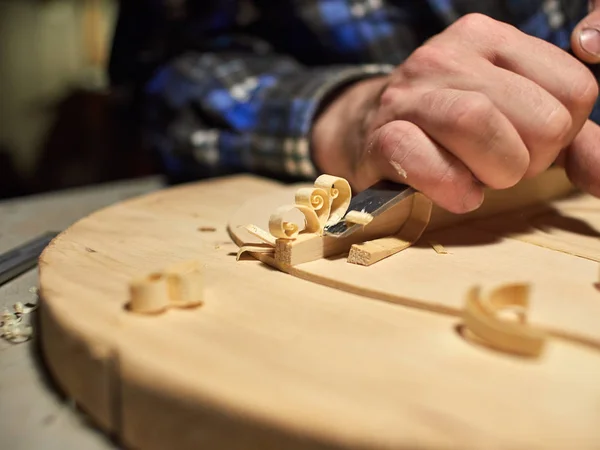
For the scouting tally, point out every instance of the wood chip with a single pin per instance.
(358, 217)
(12, 327)
(439, 248)
(370, 252)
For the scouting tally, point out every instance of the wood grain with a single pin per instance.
(273, 361)
(481, 253)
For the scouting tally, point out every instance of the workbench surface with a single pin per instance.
(32, 413)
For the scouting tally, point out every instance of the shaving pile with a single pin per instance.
(322, 205)
(12, 327)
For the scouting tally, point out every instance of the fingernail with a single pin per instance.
(590, 40)
(473, 199)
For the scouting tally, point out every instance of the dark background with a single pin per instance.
(61, 125)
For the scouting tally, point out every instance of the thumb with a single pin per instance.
(585, 39)
(582, 159)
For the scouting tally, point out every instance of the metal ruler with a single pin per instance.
(19, 260)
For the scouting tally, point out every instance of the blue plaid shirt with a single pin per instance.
(234, 85)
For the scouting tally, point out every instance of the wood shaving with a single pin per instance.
(317, 199)
(358, 217)
(207, 229)
(12, 327)
(261, 234)
(254, 249)
(340, 193)
(482, 316)
(284, 229)
(178, 286)
(399, 169)
(439, 248)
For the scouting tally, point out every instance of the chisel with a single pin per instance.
(20, 259)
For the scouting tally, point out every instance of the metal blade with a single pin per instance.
(375, 201)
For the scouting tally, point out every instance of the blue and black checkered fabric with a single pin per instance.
(234, 85)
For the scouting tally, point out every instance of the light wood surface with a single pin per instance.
(273, 361)
(486, 252)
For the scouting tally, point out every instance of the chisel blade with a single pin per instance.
(375, 201)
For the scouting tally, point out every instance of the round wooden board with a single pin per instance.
(273, 361)
(479, 254)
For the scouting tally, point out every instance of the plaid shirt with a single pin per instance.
(235, 85)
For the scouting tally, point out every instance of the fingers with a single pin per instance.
(501, 125)
(543, 123)
(402, 152)
(582, 159)
(585, 39)
(472, 128)
(553, 69)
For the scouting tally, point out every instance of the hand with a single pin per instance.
(479, 104)
(582, 158)
(585, 39)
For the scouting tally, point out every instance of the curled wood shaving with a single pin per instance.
(282, 229)
(482, 317)
(439, 248)
(180, 286)
(186, 284)
(323, 204)
(149, 294)
(317, 199)
(261, 234)
(340, 192)
(358, 217)
(254, 249)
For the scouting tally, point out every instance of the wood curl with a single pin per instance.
(481, 317)
(323, 204)
(317, 199)
(178, 286)
(283, 229)
(340, 193)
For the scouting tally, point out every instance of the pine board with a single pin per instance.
(274, 361)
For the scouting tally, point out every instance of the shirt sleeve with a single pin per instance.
(219, 113)
(220, 97)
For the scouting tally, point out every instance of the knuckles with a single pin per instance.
(470, 112)
(476, 24)
(583, 93)
(558, 128)
(397, 136)
(426, 59)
